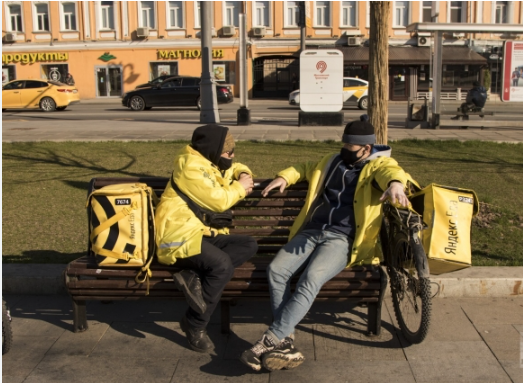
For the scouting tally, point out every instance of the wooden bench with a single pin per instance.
(267, 219)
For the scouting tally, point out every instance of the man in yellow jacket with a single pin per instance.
(204, 176)
(338, 227)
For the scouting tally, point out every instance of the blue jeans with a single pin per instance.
(321, 255)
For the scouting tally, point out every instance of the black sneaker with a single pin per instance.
(189, 283)
(252, 356)
(285, 356)
(198, 339)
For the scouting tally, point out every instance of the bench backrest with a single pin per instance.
(268, 219)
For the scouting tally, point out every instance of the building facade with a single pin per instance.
(110, 47)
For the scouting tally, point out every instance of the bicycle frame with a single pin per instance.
(409, 223)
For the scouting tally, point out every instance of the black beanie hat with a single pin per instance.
(209, 140)
(359, 133)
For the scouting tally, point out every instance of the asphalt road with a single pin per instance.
(268, 111)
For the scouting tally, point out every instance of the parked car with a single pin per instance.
(157, 80)
(38, 94)
(354, 90)
(174, 91)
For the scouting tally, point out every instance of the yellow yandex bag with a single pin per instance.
(448, 212)
(121, 226)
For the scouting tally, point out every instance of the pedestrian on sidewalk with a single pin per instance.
(191, 221)
(337, 228)
(69, 80)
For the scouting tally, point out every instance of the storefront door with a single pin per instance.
(399, 83)
(108, 81)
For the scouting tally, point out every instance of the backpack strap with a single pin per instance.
(114, 219)
(146, 269)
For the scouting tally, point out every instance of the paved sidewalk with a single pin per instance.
(470, 340)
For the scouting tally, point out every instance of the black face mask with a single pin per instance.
(224, 163)
(349, 157)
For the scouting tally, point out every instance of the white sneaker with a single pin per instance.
(284, 356)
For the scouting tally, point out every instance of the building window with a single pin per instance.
(175, 14)
(501, 12)
(107, 14)
(197, 14)
(401, 13)
(348, 13)
(292, 14)
(164, 68)
(41, 17)
(261, 13)
(68, 11)
(456, 12)
(224, 71)
(147, 14)
(14, 18)
(8, 73)
(322, 13)
(54, 72)
(232, 13)
(426, 12)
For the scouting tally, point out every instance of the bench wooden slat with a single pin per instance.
(266, 213)
(258, 232)
(268, 203)
(261, 222)
(256, 285)
(290, 193)
(226, 293)
(89, 297)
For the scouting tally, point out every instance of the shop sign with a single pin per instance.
(188, 54)
(31, 58)
(106, 57)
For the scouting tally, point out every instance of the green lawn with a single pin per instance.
(45, 184)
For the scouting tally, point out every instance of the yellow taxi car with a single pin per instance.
(354, 90)
(38, 94)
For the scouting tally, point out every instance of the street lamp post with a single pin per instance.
(244, 113)
(209, 110)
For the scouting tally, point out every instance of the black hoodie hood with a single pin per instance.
(208, 140)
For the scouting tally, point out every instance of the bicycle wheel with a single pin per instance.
(410, 293)
(7, 333)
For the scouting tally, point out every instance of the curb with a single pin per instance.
(474, 282)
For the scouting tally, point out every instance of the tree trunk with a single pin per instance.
(378, 68)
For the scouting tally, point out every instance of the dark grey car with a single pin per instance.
(174, 91)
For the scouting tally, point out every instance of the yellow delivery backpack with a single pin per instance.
(121, 227)
(447, 212)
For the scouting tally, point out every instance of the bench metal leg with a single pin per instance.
(226, 319)
(79, 316)
(374, 311)
(374, 322)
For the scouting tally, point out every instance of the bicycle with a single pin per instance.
(7, 333)
(408, 270)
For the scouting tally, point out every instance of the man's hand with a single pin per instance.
(396, 193)
(246, 181)
(278, 182)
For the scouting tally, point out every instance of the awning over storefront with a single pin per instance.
(414, 55)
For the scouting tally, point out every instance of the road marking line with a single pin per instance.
(122, 119)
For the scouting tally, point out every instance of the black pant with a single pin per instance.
(215, 265)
